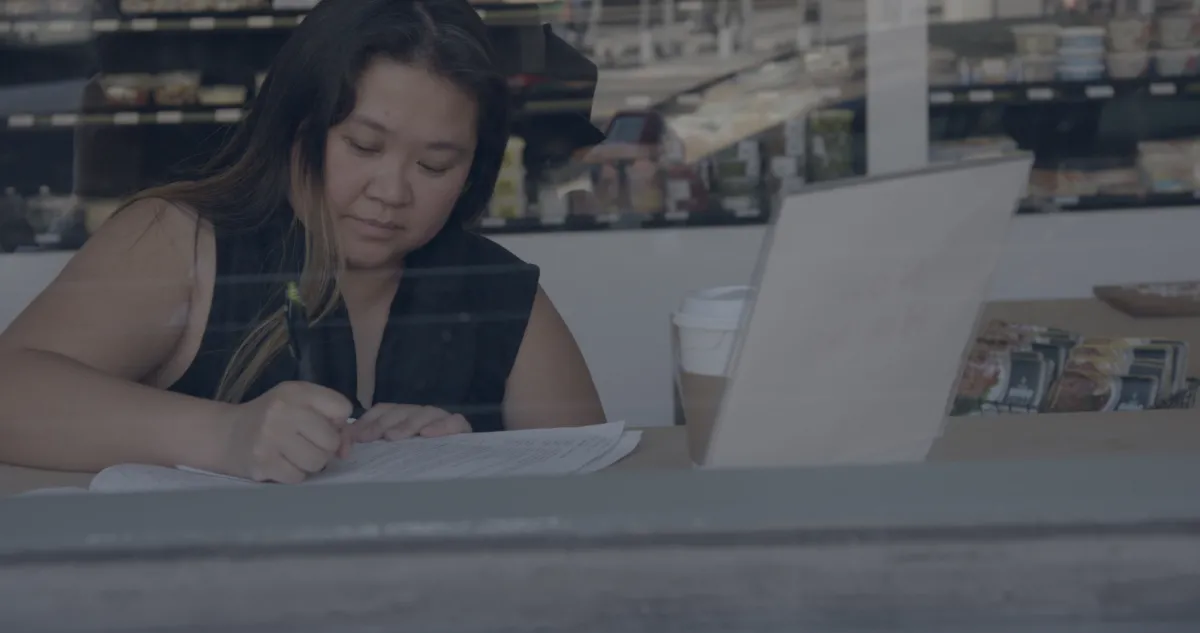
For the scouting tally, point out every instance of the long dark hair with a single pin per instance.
(277, 153)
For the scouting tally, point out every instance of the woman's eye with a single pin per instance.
(434, 170)
(362, 148)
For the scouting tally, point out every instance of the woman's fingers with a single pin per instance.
(401, 421)
(450, 425)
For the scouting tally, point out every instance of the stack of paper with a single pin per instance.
(563, 451)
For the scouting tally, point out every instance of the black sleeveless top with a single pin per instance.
(456, 323)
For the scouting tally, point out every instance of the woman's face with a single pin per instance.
(396, 166)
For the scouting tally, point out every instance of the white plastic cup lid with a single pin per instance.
(725, 303)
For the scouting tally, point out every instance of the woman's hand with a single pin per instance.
(401, 421)
(288, 433)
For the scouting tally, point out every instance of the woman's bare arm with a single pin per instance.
(70, 364)
(550, 384)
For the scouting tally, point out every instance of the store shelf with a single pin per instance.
(1111, 202)
(194, 115)
(621, 221)
(1062, 91)
(214, 22)
(156, 117)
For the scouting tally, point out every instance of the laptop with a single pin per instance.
(867, 293)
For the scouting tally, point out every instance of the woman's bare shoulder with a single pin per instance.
(118, 302)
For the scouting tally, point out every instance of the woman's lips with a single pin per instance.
(372, 229)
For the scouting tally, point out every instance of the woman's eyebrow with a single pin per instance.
(446, 146)
(368, 122)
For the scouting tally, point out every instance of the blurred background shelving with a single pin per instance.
(101, 98)
(1104, 93)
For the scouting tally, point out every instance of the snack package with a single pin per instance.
(1081, 390)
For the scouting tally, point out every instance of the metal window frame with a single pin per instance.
(1101, 546)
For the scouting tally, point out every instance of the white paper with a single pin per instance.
(628, 443)
(560, 451)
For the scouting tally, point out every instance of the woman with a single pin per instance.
(376, 139)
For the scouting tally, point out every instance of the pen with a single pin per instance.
(300, 341)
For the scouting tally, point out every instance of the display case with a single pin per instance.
(102, 98)
(1103, 93)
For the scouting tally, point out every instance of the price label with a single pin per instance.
(202, 24)
(105, 26)
(20, 120)
(676, 216)
(227, 115)
(554, 220)
(260, 21)
(1100, 92)
(492, 223)
(168, 117)
(679, 190)
(1163, 89)
(143, 24)
(981, 96)
(126, 118)
(1066, 201)
(64, 120)
(1040, 94)
(60, 26)
(608, 218)
(941, 97)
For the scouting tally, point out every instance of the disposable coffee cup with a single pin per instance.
(705, 330)
(707, 323)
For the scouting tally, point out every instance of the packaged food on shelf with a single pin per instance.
(1036, 39)
(176, 88)
(831, 139)
(1118, 181)
(953, 151)
(196, 6)
(1037, 69)
(136, 7)
(509, 197)
(1075, 182)
(687, 188)
(21, 8)
(737, 179)
(1170, 166)
(1098, 176)
(1128, 35)
(242, 5)
(1176, 62)
(828, 64)
(1177, 30)
(1082, 38)
(58, 221)
(126, 90)
(610, 190)
(990, 70)
(67, 7)
(1130, 65)
(646, 187)
(1015, 368)
(221, 95)
(15, 231)
(943, 67)
(1081, 71)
